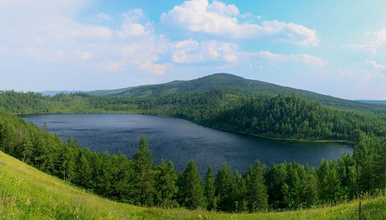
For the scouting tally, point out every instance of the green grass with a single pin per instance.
(27, 193)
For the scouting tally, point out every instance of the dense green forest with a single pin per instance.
(224, 80)
(138, 181)
(288, 117)
(278, 112)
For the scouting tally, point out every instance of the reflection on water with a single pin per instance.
(180, 140)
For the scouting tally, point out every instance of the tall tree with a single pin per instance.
(331, 192)
(121, 173)
(165, 184)
(256, 194)
(84, 170)
(292, 190)
(210, 190)
(224, 187)
(191, 188)
(238, 194)
(275, 178)
(143, 178)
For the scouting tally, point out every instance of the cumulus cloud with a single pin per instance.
(273, 58)
(375, 65)
(377, 41)
(130, 26)
(191, 51)
(221, 20)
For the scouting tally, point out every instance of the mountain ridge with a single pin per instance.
(226, 80)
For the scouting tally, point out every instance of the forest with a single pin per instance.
(139, 181)
(286, 117)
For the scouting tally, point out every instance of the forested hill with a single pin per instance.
(224, 80)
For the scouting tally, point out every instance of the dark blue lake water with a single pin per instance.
(180, 140)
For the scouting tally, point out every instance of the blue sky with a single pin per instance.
(331, 47)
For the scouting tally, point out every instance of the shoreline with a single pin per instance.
(349, 142)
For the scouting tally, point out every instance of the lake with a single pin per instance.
(180, 140)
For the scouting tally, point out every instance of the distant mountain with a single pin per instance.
(374, 102)
(224, 80)
(53, 92)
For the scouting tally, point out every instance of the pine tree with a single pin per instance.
(275, 178)
(191, 188)
(210, 190)
(309, 189)
(291, 197)
(84, 170)
(143, 178)
(238, 194)
(224, 187)
(165, 184)
(256, 194)
(121, 173)
(104, 180)
(331, 187)
(353, 182)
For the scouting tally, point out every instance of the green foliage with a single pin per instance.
(210, 190)
(165, 185)
(256, 191)
(225, 185)
(191, 190)
(137, 181)
(143, 176)
(26, 193)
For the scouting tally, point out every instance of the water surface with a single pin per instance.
(180, 140)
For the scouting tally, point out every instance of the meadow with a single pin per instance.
(27, 193)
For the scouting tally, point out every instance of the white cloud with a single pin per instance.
(223, 9)
(130, 26)
(378, 40)
(310, 60)
(375, 65)
(103, 16)
(191, 51)
(221, 20)
(273, 58)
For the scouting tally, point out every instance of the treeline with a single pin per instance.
(293, 117)
(288, 117)
(138, 181)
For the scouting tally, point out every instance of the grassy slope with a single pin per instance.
(26, 193)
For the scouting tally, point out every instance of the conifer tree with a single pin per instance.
(121, 173)
(143, 178)
(331, 192)
(84, 170)
(165, 184)
(191, 188)
(292, 190)
(309, 189)
(224, 187)
(104, 180)
(275, 178)
(238, 194)
(210, 190)
(256, 194)
(353, 181)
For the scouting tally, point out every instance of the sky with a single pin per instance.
(331, 47)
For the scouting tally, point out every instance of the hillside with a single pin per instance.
(224, 80)
(27, 193)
